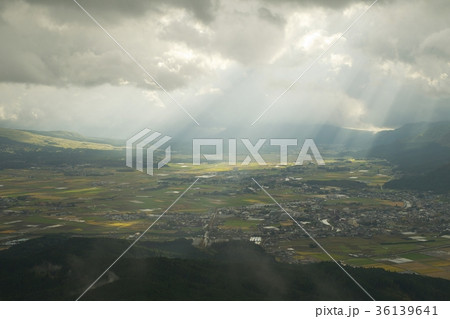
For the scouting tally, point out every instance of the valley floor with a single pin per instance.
(342, 205)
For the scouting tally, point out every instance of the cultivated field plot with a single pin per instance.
(343, 204)
(392, 253)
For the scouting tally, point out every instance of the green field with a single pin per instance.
(116, 202)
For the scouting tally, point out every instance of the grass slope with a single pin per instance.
(68, 140)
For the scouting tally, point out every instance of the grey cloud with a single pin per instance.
(181, 31)
(411, 42)
(266, 14)
(113, 10)
(45, 48)
(39, 50)
(322, 3)
(399, 60)
(437, 44)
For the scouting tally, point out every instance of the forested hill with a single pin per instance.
(422, 153)
(60, 268)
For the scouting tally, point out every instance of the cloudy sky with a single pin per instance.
(222, 61)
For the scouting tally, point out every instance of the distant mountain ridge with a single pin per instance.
(417, 133)
(325, 134)
(78, 137)
(419, 146)
(57, 139)
(410, 136)
(25, 149)
(421, 151)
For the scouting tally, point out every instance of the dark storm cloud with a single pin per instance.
(323, 3)
(266, 14)
(118, 9)
(55, 43)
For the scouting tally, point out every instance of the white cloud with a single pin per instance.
(153, 98)
(337, 61)
(208, 91)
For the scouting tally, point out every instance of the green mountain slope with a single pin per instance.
(416, 133)
(415, 148)
(422, 153)
(437, 180)
(24, 149)
(78, 137)
(64, 140)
